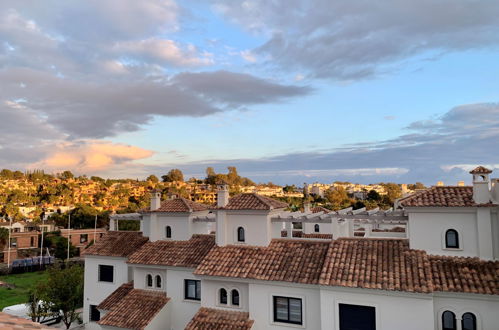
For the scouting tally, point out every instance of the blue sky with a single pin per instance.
(289, 91)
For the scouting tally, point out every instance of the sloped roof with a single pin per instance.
(297, 261)
(317, 209)
(11, 322)
(174, 253)
(180, 205)
(447, 196)
(117, 244)
(471, 275)
(480, 170)
(385, 264)
(135, 310)
(253, 201)
(116, 296)
(212, 319)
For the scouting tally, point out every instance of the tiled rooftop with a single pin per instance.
(174, 253)
(471, 275)
(299, 233)
(10, 322)
(447, 196)
(116, 296)
(386, 264)
(213, 319)
(135, 310)
(318, 209)
(180, 205)
(253, 201)
(480, 169)
(117, 244)
(297, 261)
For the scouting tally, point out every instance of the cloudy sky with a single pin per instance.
(288, 91)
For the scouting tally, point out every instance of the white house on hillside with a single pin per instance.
(441, 272)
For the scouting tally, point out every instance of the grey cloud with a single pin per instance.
(347, 40)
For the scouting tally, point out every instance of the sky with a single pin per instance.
(288, 91)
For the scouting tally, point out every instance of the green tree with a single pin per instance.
(6, 174)
(38, 309)
(66, 175)
(373, 195)
(63, 291)
(4, 236)
(338, 197)
(174, 175)
(152, 178)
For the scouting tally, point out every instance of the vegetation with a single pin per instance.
(20, 287)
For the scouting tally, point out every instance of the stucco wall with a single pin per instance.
(256, 226)
(392, 312)
(210, 294)
(94, 291)
(182, 310)
(261, 305)
(427, 231)
(162, 320)
(139, 277)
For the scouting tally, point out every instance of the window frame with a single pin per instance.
(446, 241)
(168, 232)
(288, 321)
(83, 238)
(156, 277)
(220, 302)
(197, 284)
(475, 320)
(442, 320)
(93, 310)
(149, 277)
(241, 234)
(317, 228)
(359, 304)
(232, 298)
(99, 278)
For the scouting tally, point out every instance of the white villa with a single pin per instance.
(431, 263)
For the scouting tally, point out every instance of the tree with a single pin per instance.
(63, 292)
(393, 191)
(66, 175)
(174, 175)
(38, 309)
(373, 195)
(6, 174)
(4, 236)
(152, 178)
(338, 197)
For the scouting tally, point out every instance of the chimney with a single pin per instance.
(155, 199)
(222, 194)
(494, 191)
(481, 193)
(440, 184)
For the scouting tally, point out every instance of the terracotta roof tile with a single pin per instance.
(116, 296)
(180, 205)
(117, 244)
(480, 169)
(136, 309)
(11, 322)
(448, 196)
(470, 275)
(297, 233)
(217, 319)
(385, 264)
(252, 201)
(297, 261)
(318, 209)
(174, 253)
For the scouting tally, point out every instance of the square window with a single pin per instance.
(106, 273)
(288, 310)
(192, 289)
(94, 313)
(356, 317)
(83, 238)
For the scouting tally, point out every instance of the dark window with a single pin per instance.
(94, 313)
(316, 228)
(356, 317)
(158, 281)
(468, 322)
(192, 289)
(287, 310)
(235, 297)
(448, 321)
(149, 280)
(32, 241)
(223, 296)
(168, 232)
(13, 242)
(451, 239)
(83, 238)
(106, 273)
(240, 234)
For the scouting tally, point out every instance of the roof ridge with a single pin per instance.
(260, 198)
(186, 203)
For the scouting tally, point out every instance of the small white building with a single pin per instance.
(246, 276)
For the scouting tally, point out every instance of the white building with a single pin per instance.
(245, 276)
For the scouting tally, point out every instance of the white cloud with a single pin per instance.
(248, 56)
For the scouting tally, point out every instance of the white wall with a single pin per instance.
(324, 228)
(485, 309)
(427, 229)
(94, 291)
(182, 310)
(210, 294)
(162, 320)
(154, 225)
(256, 226)
(261, 305)
(393, 312)
(140, 273)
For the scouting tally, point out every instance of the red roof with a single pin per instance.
(212, 318)
(180, 205)
(318, 209)
(480, 170)
(252, 201)
(447, 196)
(116, 296)
(174, 253)
(117, 244)
(11, 322)
(135, 310)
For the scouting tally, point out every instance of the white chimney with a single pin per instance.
(494, 191)
(155, 200)
(222, 195)
(481, 192)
